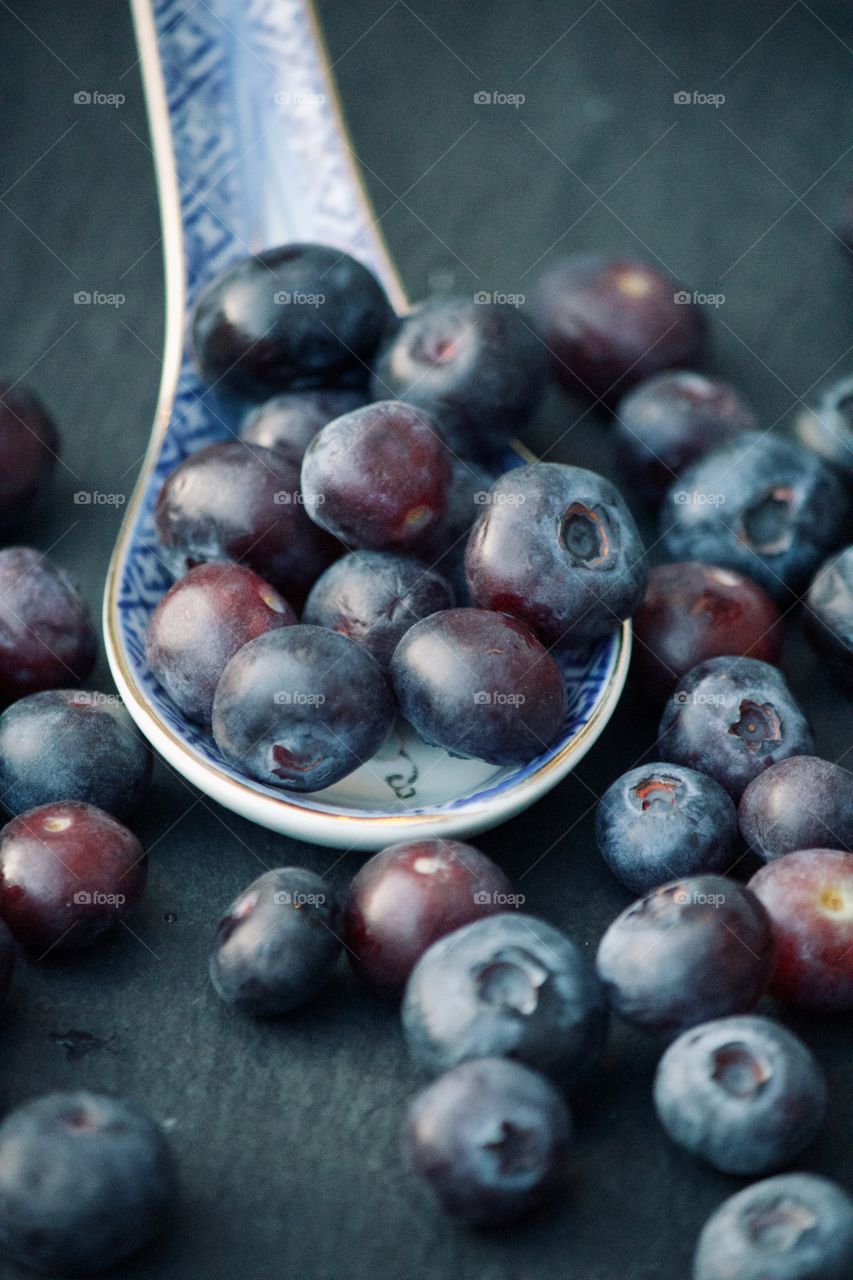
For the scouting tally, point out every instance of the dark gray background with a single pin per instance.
(287, 1132)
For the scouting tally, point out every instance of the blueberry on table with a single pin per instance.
(489, 1139)
(374, 597)
(479, 684)
(301, 707)
(68, 873)
(477, 368)
(241, 502)
(508, 986)
(377, 478)
(669, 421)
(278, 943)
(808, 896)
(557, 547)
(303, 315)
(828, 616)
(68, 744)
(29, 445)
(661, 822)
(733, 718)
(85, 1181)
(290, 421)
(693, 950)
(692, 612)
(828, 427)
(611, 322)
(46, 635)
(796, 1226)
(408, 896)
(762, 505)
(201, 622)
(743, 1093)
(800, 803)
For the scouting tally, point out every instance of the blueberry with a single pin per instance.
(478, 369)
(733, 718)
(610, 322)
(377, 477)
(29, 445)
(68, 873)
(507, 986)
(201, 622)
(278, 943)
(661, 822)
(689, 951)
(241, 502)
(808, 896)
(408, 896)
(829, 615)
(290, 421)
(694, 611)
(479, 684)
(489, 1139)
(744, 1093)
(374, 597)
(801, 803)
(443, 546)
(301, 708)
(764, 506)
(85, 1181)
(65, 744)
(557, 547)
(792, 1227)
(669, 421)
(303, 315)
(828, 427)
(46, 635)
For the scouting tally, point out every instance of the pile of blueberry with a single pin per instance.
(354, 554)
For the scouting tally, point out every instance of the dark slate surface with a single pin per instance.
(287, 1132)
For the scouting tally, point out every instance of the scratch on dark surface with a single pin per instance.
(79, 1044)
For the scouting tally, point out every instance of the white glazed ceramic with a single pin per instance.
(251, 152)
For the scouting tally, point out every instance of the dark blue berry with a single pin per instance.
(507, 986)
(65, 744)
(46, 635)
(290, 421)
(690, 951)
(301, 708)
(557, 547)
(479, 684)
(489, 1139)
(733, 718)
(762, 505)
(792, 1227)
(800, 803)
(661, 822)
(29, 445)
(828, 427)
(744, 1093)
(278, 943)
(85, 1181)
(374, 597)
(303, 315)
(477, 368)
(828, 615)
